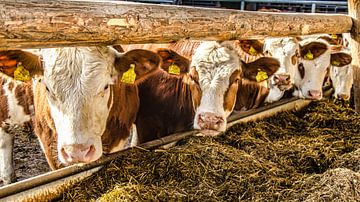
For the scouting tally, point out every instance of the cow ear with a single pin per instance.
(340, 59)
(312, 50)
(261, 69)
(20, 65)
(118, 48)
(172, 62)
(135, 65)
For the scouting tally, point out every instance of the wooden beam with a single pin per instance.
(43, 23)
(354, 12)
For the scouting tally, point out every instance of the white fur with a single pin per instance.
(342, 79)
(214, 63)
(282, 49)
(315, 71)
(6, 157)
(76, 79)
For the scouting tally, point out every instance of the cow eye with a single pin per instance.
(106, 87)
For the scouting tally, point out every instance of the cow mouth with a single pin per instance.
(209, 133)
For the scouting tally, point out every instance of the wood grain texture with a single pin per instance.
(354, 12)
(42, 23)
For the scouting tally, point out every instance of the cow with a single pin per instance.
(85, 98)
(286, 50)
(341, 74)
(316, 57)
(201, 98)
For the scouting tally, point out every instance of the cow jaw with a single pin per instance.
(214, 65)
(78, 94)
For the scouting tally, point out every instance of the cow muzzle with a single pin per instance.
(343, 96)
(283, 81)
(78, 153)
(211, 121)
(314, 94)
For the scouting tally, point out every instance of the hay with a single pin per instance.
(290, 156)
(338, 184)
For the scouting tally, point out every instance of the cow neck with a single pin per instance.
(165, 106)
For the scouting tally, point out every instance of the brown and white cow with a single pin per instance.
(316, 57)
(16, 101)
(286, 50)
(87, 98)
(201, 99)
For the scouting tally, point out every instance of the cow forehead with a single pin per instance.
(74, 70)
(215, 62)
(286, 45)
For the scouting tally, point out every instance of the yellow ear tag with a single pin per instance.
(174, 69)
(334, 36)
(252, 51)
(335, 63)
(21, 74)
(261, 76)
(309, 56)
(129, 76)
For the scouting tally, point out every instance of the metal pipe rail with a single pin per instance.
(51, 185)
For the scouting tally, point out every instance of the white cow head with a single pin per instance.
(341, 74)
(313, 64)
(215, 72)
(79, 91)
(286, 50)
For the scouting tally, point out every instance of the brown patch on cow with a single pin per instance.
(44, 126)
(110, 97)
(340, 59)
(146, 62)
(24, 96)
(294, 58)
(301, 70)
(231, 93)
(122, 115)
(266, 64)
(245, 45)
(4, 109)
(316, 48)
(250, 95)
(166, 105)
(11, 86)
(170, 57)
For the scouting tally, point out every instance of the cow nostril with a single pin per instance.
(91, 151)
(64, 153)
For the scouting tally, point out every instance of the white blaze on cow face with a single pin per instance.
(77, 82)
(313, 63)
(214, 65)
(341, 74)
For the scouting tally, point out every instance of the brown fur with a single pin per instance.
(166, 106)
(4, 109)
(250, 95)
(231, 93)
(301, 70)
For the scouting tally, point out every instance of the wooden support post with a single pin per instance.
(354, 12)
(43, 23)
